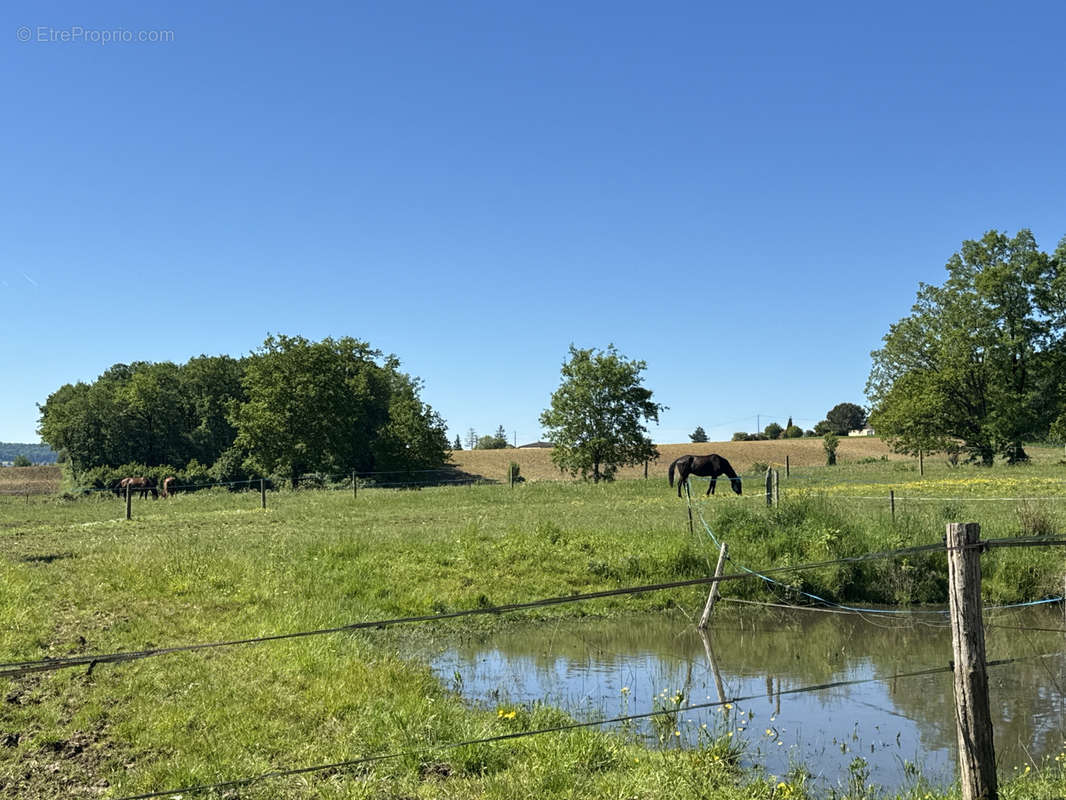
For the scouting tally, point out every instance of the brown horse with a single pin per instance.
(139, 484)
(167, 489)
(712, 465)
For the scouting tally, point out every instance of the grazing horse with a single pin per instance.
(166, 490)
(712, 465)
(140, 484)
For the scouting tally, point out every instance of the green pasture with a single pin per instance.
(76, 577)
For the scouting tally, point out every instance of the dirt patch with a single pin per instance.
(70, 767)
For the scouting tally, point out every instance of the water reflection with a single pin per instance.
(601, 669)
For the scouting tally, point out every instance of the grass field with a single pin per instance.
(75, 577)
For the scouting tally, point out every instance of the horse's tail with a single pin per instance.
(672, 465)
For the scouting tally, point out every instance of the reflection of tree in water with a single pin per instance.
(792, 649)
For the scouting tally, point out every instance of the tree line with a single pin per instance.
(292, 407)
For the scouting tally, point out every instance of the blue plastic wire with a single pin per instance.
(822, 600)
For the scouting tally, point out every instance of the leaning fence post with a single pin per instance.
(129, 503)
(709, 607)
(973, 721)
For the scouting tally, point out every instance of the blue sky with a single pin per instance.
(743, 196)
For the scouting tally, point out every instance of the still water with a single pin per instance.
(755, 658)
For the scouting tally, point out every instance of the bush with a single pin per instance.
(830, 442)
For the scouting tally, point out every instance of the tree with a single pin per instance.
(698, 435)
(501, 434)
(595, 418)
(792, 432)
(471, 439)
(22, 461)
(844, 417)
(333, 406)
(457, 445)
(977, 361)
(773, 431)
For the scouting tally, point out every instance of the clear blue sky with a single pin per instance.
(743, 196)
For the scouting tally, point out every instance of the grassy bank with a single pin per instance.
(77, 578)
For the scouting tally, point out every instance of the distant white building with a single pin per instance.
(867, 431)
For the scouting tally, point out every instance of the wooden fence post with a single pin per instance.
(787, 471)
(776, 488)
(973, 721)
(769, 487)
(129, 503)
(709, 607)
(263, 492)
(688, 494)
(355, 484)
(892, 504)
(921, 463)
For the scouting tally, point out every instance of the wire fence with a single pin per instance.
(511, 736)
(22, 668)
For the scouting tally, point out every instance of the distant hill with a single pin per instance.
(36, 453)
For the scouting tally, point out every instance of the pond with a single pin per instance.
(758, 658)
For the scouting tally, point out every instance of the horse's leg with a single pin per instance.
(710, 489)
(681, 478)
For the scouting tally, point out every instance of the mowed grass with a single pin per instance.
(75, 577)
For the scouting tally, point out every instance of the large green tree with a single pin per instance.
(844, 417)
(146, 413)
(595, 420)
(333, 406)
(976, 363)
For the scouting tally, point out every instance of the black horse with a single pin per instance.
(712, 465)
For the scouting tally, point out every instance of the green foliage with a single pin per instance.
(153, 413)
(773, 431)
(22, 461)
(792, 432)
(844, 417)
(822, 428)
(830, 442)
(36, 453)
(979, 358)
(333, 407)
(699, 435)
(596, 414)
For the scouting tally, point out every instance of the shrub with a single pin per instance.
(830, 442)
